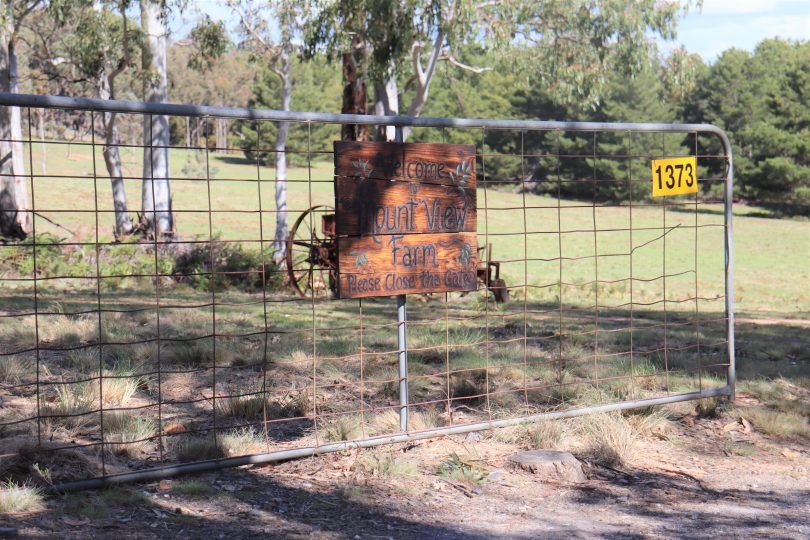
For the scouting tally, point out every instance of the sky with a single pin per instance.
(722, 24)
(719, 25)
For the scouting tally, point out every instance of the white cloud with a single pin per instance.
(782, 26)
(751, 7)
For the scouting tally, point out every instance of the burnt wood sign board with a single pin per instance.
(405, 218)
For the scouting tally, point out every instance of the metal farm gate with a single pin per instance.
(148, 357)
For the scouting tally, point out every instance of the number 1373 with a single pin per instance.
(674, 176)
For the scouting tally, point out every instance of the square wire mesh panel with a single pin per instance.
(220, 338)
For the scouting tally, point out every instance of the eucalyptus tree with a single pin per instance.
(156, 206)
(256, 23)
(569, 47)
(15, 217)
(102, 45)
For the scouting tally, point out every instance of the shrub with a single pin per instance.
(224, 265)
(462, 469)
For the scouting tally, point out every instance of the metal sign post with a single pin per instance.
(402, 345)
(402, 339)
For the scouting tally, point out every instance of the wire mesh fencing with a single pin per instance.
(217, 341)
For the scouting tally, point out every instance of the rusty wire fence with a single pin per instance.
(143, 356)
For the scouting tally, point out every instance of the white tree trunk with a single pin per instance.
(156, 193)
(112, 159)
(18, 153)
(11, 224)
(282, 228)
(423, 79)
(386, 102)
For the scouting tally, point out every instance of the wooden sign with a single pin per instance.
(405, 218)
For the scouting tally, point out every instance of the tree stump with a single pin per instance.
(550, 465)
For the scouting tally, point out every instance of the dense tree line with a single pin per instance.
(762, 100)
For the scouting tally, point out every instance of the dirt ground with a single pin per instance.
(700, 478)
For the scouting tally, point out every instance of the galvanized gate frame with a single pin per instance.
(85, 104)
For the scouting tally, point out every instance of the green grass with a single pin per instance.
(771, 271)
(194, 489)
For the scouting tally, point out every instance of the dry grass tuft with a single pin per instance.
(512, 435)
(386, 465)
(251, 406)
(345, 428)
(84, 360)
(194, 489)
(777, 423)
(127, 434)
(194, 447)
(545, 435)
(73, 404)
(298, 357)
(649, 422)
(387, 421)
(67, 331)
(118, 388)
(293, 404)
(196, 355)
(248, 407)
(15, 498)
(240, 442)
(14, 369)
(71, 407)
(609, 437)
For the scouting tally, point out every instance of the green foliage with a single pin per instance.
(462, 469)
(761, 100)
(97, 42)
(388, 27)
(499, 94)
(222, 265)
(210, 41)
(316, 87)
(121, 265)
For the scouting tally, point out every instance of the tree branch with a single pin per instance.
(124, 62)
(18, 19)
(450, 59)
(251, 29)
(425, 76)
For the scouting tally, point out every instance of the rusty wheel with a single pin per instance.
(308, 254)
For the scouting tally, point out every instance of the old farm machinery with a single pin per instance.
(312, 257)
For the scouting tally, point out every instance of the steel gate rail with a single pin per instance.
(494, 350)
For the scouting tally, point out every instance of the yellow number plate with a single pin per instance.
(674, 176)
